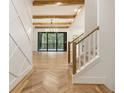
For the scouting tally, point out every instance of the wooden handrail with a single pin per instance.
(97, 28)
(76, 38)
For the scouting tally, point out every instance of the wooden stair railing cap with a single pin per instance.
(76, 38)
(94, 30)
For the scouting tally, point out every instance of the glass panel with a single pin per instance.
(51, 41)
(60, 38)
(42, 41)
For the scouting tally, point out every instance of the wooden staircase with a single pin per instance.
(83, 55)
(83, 49)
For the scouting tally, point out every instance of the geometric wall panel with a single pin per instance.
(20, 44)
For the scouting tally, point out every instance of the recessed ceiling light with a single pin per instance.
(75, 10)
(58, 3)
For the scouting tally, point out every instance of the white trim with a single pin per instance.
(89, 65)
(89, 80)
(17, 80)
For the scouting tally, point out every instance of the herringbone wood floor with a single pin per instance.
(52, 75)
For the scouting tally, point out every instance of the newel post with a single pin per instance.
(74, 57)
(69, 50)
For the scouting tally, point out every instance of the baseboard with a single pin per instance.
(106, 89)
(101, 88)
(89, 80)
(19, 87)
(19, 78)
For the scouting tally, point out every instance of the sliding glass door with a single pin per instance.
(42, 41)
(52, 41)
(60, 44)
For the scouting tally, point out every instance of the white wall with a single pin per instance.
(90, 15)
(107, 42)
(102, 69)
(78, 26)
(20, 40)
(76, 29)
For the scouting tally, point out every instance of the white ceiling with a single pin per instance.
(55, 10)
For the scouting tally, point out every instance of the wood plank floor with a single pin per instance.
(53, 75)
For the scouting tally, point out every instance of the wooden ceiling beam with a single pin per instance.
(55, 23)
(57, 2)
(54, 16)
(51, 27)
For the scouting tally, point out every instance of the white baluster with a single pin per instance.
(89, 48)
(84, 60)
(81, 59)
(94, 44)
(79, 54)
(82, 52)
(97, 42)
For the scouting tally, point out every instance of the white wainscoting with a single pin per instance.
(20, 41)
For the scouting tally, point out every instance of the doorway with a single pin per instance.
(52, 41)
